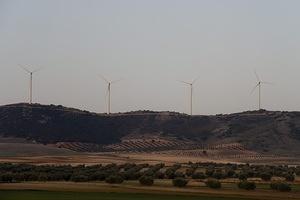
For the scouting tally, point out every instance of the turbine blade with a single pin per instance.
(102, 77)
(25, 69)
(257, 77)
(118, 80)
(254, 88)
(37, 70)
(185, 82)
(269, 83)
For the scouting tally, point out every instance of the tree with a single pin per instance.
(170, 173)
(6, 178)
(190, 171)
(179, 174)
(247, 185)
(159, 175)
(213, 183)
(217, 175)
(280, 186)
(114, 179)
(243, 176)
(209, 172)
(79, 178)
(289, 177)
(198, 175)
(146, 180)
(266, 176)
(180, 182)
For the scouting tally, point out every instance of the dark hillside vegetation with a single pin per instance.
(262, 131)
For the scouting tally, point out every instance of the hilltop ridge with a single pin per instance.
(263, 131)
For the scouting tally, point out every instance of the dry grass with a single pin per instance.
(119, 158)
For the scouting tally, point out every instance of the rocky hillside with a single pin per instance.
(261, 131)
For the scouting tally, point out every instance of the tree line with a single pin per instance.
(209, 173)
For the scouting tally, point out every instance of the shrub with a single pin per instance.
(179, 174)
(266, 176)
(6, 178)
(230, 173)
(149, 172)
(289, 177)
(198, 175)
(243, 176)
(247, 185)
(79, 178)
(159, 175)
(213, 183)
(170, 173)
(189, 171)
(146, 180)
(180, 182)
(209, 172)
(99, 176)
(131, 174)
(217, 175)
(281, 186)
(114, 179)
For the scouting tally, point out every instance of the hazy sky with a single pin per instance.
(150, 45)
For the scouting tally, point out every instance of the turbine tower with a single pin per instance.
(31, 81)
(259, 85)
(109, 83)
(191, 84)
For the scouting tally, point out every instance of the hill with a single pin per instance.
(271, 132)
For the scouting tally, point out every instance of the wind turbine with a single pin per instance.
(259, 85)
(109, 83)
(191, 84)
(31, 81)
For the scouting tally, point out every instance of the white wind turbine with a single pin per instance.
(259, 85)
(191, 84)
(31, 81)
(109, 83)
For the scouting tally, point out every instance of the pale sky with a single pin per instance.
(150, 45)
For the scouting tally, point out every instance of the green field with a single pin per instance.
(47, 195)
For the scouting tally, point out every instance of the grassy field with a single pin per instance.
(47, 195)
(132, 191)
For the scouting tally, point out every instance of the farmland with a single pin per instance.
(112, 181)
(46, 195)
(132, 190)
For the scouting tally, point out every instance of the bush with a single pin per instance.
(180, 182)
(79, 178)
(170, 173)
(159, 175)
(146, 180)
(230, 173)
(281, 186)
(266, 176)
(289, 177)
(213, 183)
(6, 178)
(189, 171)
(99, 176)
(114, 179)
(217, 175)
(243, 176)
(247, 185)
(179, 174)
(209, 172)
(198, 175)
